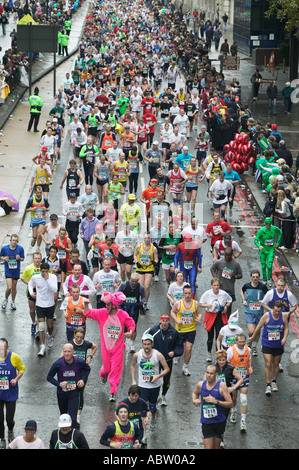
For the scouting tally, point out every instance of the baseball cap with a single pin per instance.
(227, 236)
(64, 421)
(45, 148)
(288, 83)
(73, 195)
(31, 425)
(232, 324)
(187, 236)
(99, 227)
(53, 217)
(131, 196)
(185, 147)
(155, 142)
(147, 336)
(55, 120)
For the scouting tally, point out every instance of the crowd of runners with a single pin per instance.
(141, 88)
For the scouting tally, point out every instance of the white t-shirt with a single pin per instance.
(229, 335)
(221, 188)
(176, 291)
(198, 234)
(126, 242)
(219, 300)
(106, 280)
(19, 443)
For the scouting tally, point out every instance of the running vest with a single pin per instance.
(126, 439)
(273, 332)
(110, 222)
(187, 316)
(194, 176)
(61, 253)
(216, 169)
(7, 373)
(133, 162)
(107, 141)
(40, 213)
(114, 190)
(221, 249)
(121, 170)
(65, 445)
(72, 281)
(210, 412)
(41, 176)
(142, 137)
(75, 319)
(284, 299)
(103, 172)
(175, 181)
(72, 179)
(96, 244)
(147, 368)
(145, 258)
(240, 361)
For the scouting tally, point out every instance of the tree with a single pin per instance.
(287, 12)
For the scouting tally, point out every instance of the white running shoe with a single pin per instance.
(42, 350)
(243, 427)
(274, 387)
(4, 304)
(185, 371)
(13, 306)
(268, 391)
(163, 401)
(209, 357)
(233, 417)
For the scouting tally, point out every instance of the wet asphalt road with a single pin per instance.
(178, 425)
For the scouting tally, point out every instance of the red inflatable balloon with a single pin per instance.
(226, 148)
(236, 167)
(244, 166)
(250, 161)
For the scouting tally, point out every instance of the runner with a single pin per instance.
(123, 433)
(37, 205)
(275, 332)
(252, 294)
(112, 322)
(213, 397)
(43, 287)
(215, 302)
(186, 313)
(11, 371)
(266, 239)
(146, 258)
(152, 367)
(168, 342)
(126, 241)
(239, 355)
(32, 270)
(12, 255)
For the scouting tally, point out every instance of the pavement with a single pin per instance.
(16, 153)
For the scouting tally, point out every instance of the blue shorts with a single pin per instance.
(150, 396)
(244, 384)
(188, 336)
(253, 318)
